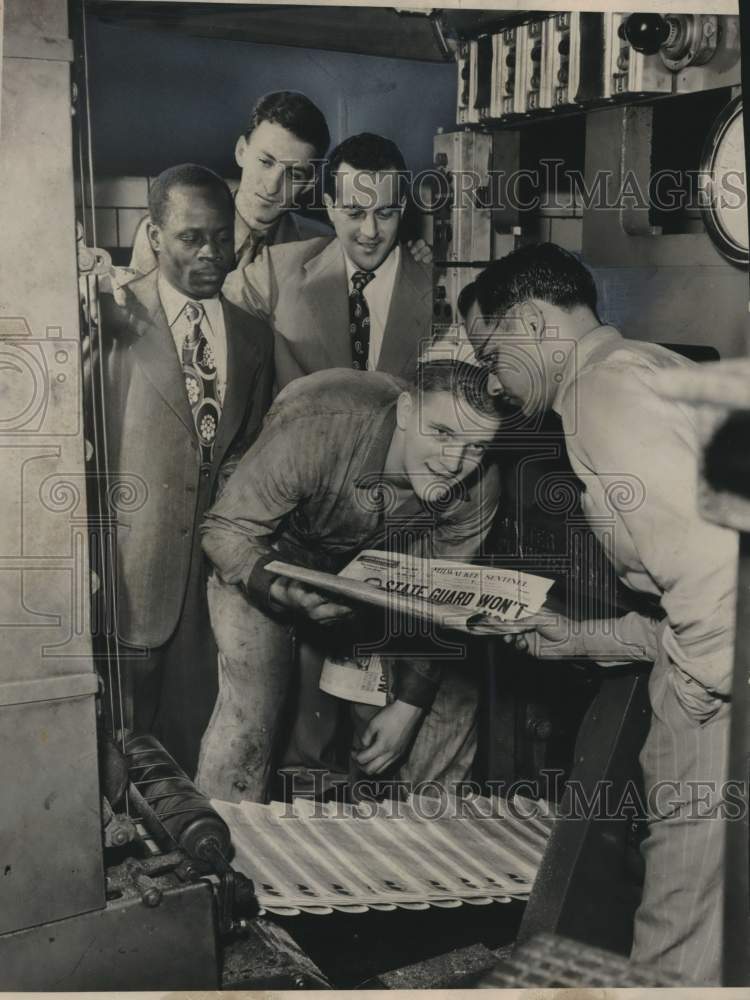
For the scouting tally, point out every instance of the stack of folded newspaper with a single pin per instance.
(311, 857)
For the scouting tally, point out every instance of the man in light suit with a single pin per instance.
(277, 153)
(187, 378)
(325, 296)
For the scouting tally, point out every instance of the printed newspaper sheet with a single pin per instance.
(479, 600)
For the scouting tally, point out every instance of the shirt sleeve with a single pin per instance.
(610, 642)
(416, 681)
(642, 455)
(268, 483)
(252, 287)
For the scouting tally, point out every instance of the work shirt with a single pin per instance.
(312, 491)
(637, 455)
(378, 293)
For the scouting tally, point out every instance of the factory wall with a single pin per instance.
(160, 98)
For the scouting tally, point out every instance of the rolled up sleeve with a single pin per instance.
(416, 682)
(692, 562)
(610, 642)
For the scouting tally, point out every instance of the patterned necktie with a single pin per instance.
(359, 319)
(199, 369)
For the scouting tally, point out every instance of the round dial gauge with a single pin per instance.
(723, 170)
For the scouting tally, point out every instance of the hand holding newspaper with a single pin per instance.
(479, 600)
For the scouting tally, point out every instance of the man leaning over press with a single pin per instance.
(355, 299)
(534, 323)
(342, 456)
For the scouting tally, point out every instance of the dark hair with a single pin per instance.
(466, 298)
(366, 151)
(468, 383)
(297, 114)
(183, 175)
(536, 271)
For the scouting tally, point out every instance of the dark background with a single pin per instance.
(161, 97)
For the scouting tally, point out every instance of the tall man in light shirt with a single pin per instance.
(187, 379)
(353, 300)
(534, 323)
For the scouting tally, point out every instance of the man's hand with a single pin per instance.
(420, 251)
(388, 736)
(555, 628)
(113, 282)
(295, 596)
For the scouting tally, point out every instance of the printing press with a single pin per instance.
(117, 873)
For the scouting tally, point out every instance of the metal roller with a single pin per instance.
(173, 801)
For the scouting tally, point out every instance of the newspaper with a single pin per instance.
(480, 600)
(356, 678)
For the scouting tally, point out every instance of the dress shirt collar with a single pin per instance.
(383, 274)
(243, 230)
(582, 351)
(173, 301)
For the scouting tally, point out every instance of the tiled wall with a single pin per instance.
(121, 203)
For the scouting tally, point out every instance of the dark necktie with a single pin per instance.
(359, 319)
(252, 246)
(199, 369)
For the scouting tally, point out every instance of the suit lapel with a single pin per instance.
(326, 293)
(241, 358)
(409, 317)
(154, 348)
(287, 230)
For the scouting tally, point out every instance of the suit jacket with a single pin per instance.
(153, 449)
(301, 289)
(291, 228)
